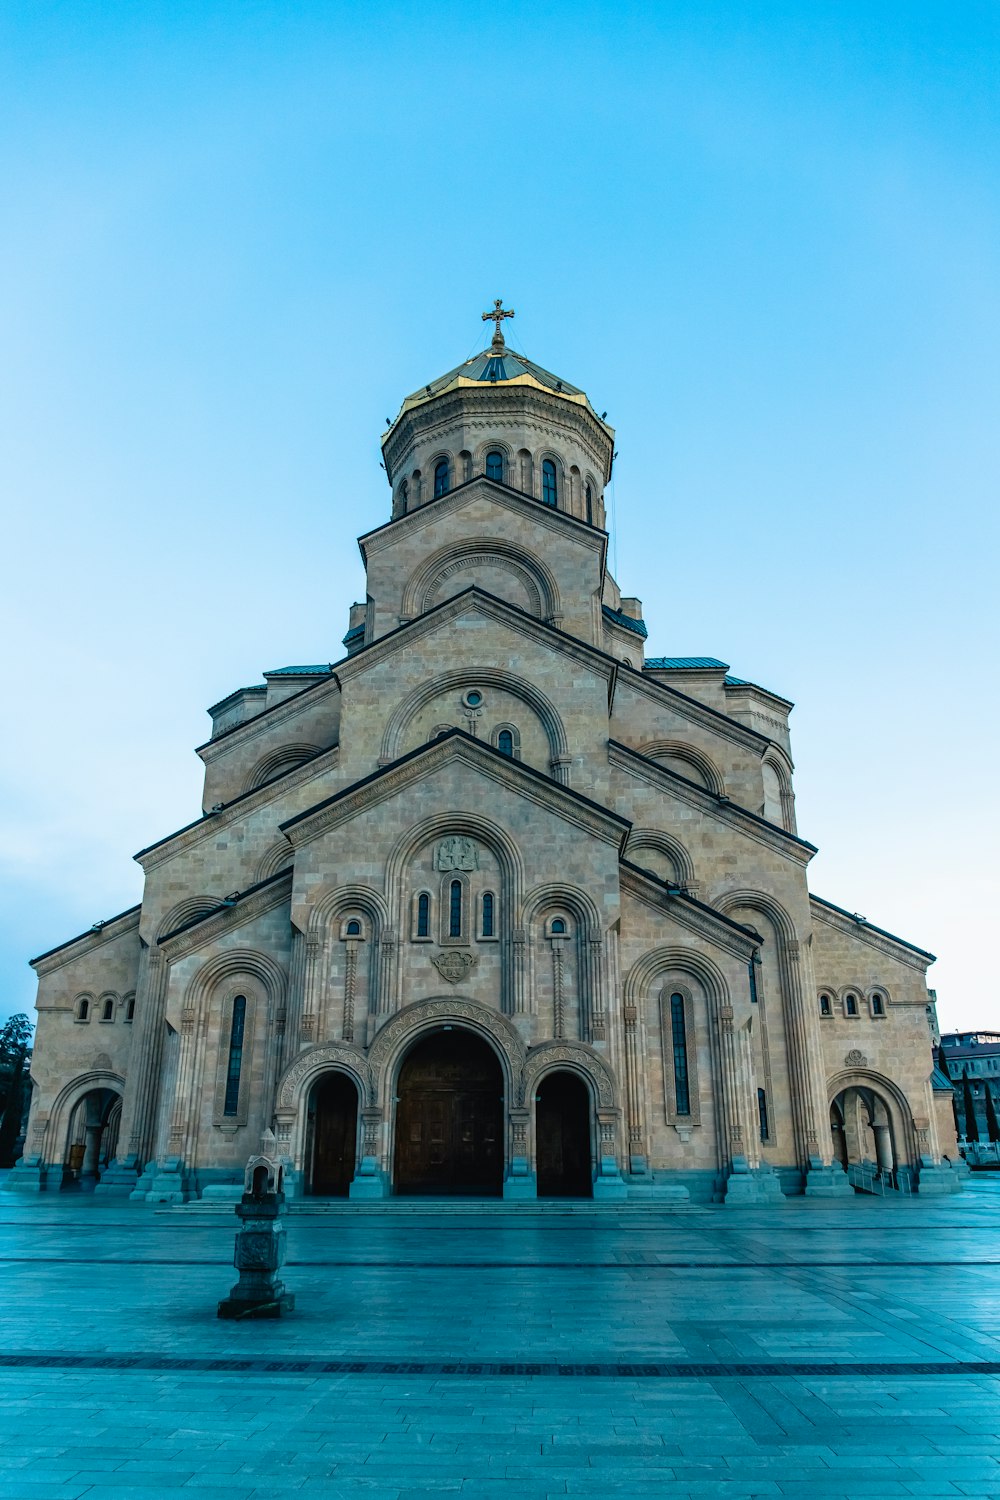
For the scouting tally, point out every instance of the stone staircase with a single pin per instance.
(449, 1208)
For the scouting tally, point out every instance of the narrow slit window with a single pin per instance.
(404, 496)
(130, 1009)
(678, 1035)
(549, 490)
(825, 1005)
(752, 966)
(235, 1064)
(851, 1005)
(488, 914)
(442, 477)
(590, 505)
(494, 465)
(455, 910)
(762, 1114)
(109, 1011)
(878, 1005)
(423, 915)
(83, 1010)
(505, 742)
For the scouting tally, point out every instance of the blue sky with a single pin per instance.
(763, 237)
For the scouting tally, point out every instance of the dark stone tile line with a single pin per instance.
(309, 1365)
(564, 1264)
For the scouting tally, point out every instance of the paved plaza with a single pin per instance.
(807, 1349)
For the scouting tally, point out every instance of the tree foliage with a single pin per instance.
(15, 1049)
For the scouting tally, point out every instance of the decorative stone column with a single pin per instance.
(370, 1180)
(637, 1163)
(806, 1076)
(520, 1181)
(609, 1185)
(594, 1021)
(311, 988)
(515, 994)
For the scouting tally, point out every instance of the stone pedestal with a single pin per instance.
(119, 1178)
(169, 1184)
(260, 1254)
(936, 1181)
(752, 1186)
(827, 1182)
(27, 1176)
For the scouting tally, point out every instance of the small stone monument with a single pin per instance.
(260, 1241)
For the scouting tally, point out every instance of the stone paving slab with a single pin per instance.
(802, 1350)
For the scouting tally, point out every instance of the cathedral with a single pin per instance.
(496, 904)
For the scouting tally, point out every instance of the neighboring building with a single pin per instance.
(495, 903)
(971, 1062)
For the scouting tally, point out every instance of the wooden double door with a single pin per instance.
(449, 1118)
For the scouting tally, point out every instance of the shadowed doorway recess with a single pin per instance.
(562, 1131)
(449, 1117)
(335, 1135)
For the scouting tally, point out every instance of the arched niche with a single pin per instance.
(504, 699)
(687, 761)
(490, 563)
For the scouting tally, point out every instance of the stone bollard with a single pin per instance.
(260, 1242)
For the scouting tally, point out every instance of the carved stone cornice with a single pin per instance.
(716, 928)
(88, 942)
(278, 714)
(422, 763)
(477, 601)
(237, 810)
(698, 713)
(512, 404)
(273, 893)
(872, 937)
(728, 813)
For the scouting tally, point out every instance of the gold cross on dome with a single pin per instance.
(496, 317)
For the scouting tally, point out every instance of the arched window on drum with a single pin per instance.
(550, 492)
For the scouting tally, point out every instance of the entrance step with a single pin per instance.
(446, 1208)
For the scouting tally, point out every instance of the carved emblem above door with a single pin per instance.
(455, 964)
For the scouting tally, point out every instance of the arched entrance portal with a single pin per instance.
(449, 1117)
(333, 1135)
(92, 1138)
(562, 1135)
(861, 1125)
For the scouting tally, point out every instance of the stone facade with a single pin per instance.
(493, 816)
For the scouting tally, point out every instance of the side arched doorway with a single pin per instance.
(562, 1137)
(332, 1139)
(862, 1128)
(449, 1117)
(92, 1137)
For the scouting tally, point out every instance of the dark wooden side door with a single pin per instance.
(562, 1135)
(449, 1118)
(335, 1137)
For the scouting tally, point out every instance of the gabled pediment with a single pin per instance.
(544, 519)
(476, 603)
(487, 773)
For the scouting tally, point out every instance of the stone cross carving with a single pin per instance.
(457, 853)
(495, 317)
